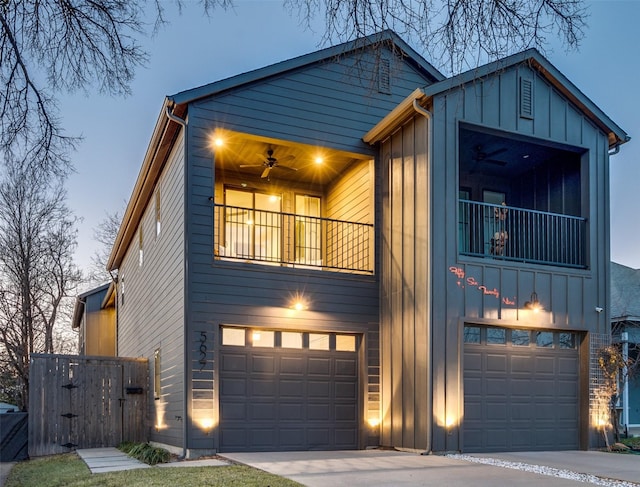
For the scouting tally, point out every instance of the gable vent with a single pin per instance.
(384, 76)
(526, 98)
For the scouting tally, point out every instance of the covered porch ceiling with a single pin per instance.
(246, 157)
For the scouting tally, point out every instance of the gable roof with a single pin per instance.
(167, 128)
(387, 37)
(536, 61)
(81, 299)
(625, 293)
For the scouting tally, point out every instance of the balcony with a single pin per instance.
(291, 240)
(520, 235)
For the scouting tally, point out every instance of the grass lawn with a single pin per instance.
(69, 470)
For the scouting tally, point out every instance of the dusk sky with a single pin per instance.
(195, 50)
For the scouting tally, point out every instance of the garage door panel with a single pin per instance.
(318, 389)
(568, 366)
(495, 386)
(291, 410)
(545, 365)
(234, 363)
(496, 363)
(321, 412)
(232, 386)
(262, 411)
(295, 399)
(263, 364)
(263, 387)
(319, 366)
(345, 437)
(345, 412)
(291, 388)
(521, 363)
(292, 365)
(346, 368)
(520, 398)
(233, 410)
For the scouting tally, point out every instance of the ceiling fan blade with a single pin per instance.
(495, 152)
(495, 162)
(251, 165)
(266, 172)
(286, 168)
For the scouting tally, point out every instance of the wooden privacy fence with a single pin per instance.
(86, 402)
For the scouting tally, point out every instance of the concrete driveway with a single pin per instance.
(393, 468)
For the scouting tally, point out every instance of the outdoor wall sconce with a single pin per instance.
(533, 304)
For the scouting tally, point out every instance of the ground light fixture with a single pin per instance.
(533, 304)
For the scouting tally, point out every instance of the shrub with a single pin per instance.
(144, 452)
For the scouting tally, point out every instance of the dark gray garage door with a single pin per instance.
(520, 390)
(285, 391)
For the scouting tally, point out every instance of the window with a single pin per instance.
(233, 336)
(567, 340)
(496, 336)
(158, 226)
(252, 225)
(318, 341)
(156, 374)
(544, 339)
(471, 334)
(263, 338)
(121, 280)
(140, 251)
(345, 343)
(520, 338)
(291, 339)
(307, 234)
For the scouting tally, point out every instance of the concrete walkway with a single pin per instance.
(100, 460)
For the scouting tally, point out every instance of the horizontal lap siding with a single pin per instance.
(331, 104)
(152, 315)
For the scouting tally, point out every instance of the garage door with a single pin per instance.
(520, 390)
(286, 391)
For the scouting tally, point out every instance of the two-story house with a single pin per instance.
(347, 249)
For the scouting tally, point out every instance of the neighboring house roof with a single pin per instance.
(625, 293)
(164, 133)
(78, 308)
(537, 62)
(5, 407)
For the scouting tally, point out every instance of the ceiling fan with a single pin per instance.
(271, 162)
(488, 157)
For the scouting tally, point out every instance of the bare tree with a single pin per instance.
(456, 34)
(37, 241)
(51, 46)
(105, 234)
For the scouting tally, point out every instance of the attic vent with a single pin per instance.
(384, 76)
(526, 98)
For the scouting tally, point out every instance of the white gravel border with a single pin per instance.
(550, 471)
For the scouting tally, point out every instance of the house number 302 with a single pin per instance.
(203, 350)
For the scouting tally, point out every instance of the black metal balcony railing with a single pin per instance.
(509, 233)
(293, 240)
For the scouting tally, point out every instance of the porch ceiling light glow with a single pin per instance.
(533, 304)
(319, 160)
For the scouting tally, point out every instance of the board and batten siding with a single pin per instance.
(404, 273)
(466, 289)
(151, 308)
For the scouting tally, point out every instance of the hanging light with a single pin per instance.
(533, 304)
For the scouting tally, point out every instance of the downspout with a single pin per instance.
(114, 279)
(428, 116)
(185, 422)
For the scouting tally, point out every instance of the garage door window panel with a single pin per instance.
(496, 336)
(521, 338)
